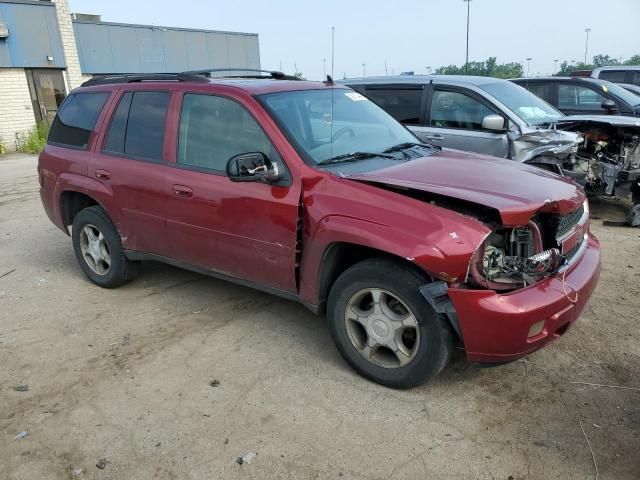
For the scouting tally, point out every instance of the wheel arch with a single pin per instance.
(340, 255)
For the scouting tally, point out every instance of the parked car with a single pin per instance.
(616, 73)
(635, 89)
(476, 114)
(583, 96)
(312, 192)
(498, 117)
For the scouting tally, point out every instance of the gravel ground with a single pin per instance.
(175, 375)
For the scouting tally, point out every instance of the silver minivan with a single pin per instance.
(478, 114)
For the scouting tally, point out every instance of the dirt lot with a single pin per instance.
(125, 375)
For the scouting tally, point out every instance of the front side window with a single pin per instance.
(457, 110)
(401, 103)
(524, 103)
(330, 122)
(76, 119)
(577, 96)
(214, 129)
(137, 126)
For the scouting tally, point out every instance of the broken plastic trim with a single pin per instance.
(436, 295)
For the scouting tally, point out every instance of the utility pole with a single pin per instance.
(528, 65)
(555, 66)
(385, 68)
(586, 45)
(364, 69)
(466, 63)
(324, 67)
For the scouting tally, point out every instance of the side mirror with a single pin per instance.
(493, 122)
(609, 106)
(252, 167)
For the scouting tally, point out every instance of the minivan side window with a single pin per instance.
(137, 126)
(579, 97)
(403, 104)
(615, 76)
(76, 119)
(456, 110)
(543, 90)
(213, 129)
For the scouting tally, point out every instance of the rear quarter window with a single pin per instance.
(76, 119)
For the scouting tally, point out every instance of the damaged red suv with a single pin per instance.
(310, 191)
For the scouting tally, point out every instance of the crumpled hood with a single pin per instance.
(534, 142)
(515, 190)
(612, 120)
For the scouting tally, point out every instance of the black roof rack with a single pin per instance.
(142, 77)
(189, 76)
(270, 73)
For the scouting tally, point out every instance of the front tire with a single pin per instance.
(98, 249)
(383, 326)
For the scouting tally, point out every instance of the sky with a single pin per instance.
(409, 35)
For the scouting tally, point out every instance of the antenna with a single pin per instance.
(333, 50)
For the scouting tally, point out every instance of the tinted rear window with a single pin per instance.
(137, 126)
(76, 119)
(616, 76)
(401, 103)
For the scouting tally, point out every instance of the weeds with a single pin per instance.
(35, 140)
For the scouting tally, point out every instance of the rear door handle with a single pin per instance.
(182, 191)
(103, 174)
(433, 137)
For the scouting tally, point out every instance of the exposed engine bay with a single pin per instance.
(512, 258)
(607, 162)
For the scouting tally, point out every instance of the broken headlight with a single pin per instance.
(512, 258)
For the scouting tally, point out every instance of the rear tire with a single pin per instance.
(377, 302)
(98, 249)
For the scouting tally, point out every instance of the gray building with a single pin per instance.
(46, 51)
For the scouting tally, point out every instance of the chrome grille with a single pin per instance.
(567, 222)
(571, 253)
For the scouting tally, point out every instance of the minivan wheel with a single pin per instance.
(98, 249)
(383, 326)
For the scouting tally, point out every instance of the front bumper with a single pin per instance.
(495, 327)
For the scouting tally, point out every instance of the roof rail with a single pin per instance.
(143, 77)
(270, 73)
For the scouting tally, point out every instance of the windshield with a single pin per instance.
(354, 124)
(533, 110)
(624, 95)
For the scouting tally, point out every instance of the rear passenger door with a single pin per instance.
(243, 230)
(130, 163)
(454, 120)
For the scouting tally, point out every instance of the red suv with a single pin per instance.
(312, 192)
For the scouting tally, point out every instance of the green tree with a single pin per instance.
(488, 68)
(604, 61)
(635, 60)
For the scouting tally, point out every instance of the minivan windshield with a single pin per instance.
(624, 95)
(531, 109)
(336, 123)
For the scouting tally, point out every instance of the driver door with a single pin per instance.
(454, 120)
(243, 230)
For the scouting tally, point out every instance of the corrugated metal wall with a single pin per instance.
(33, 36)
(122, 48)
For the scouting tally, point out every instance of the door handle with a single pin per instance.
(103, 174)
(182, 191)
(433, 137)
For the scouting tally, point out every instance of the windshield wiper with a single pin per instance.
(405, 145)
(352, 157)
